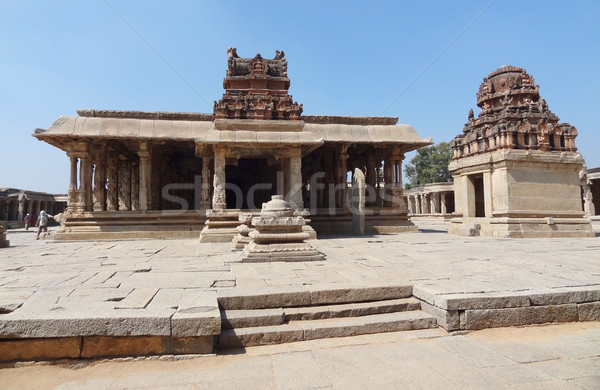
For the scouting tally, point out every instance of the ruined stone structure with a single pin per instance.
(160, 174)
(16, 203)
(515, 167)
(434, 199)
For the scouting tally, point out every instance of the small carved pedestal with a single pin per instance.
(278, 235)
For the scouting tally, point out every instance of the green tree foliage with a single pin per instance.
(430, 165)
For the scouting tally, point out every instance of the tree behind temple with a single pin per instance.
(430, 165)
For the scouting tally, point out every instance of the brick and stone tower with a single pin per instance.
(256, 88)
(515, 167)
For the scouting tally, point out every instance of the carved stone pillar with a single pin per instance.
(205, 196)
(219, 201)
(21, 208)
(124, 172)
(73, 202)
(73, 178)
(86, 182)
(388, 178)
(135, 185)
(295, 179)
(112, 199)
(144, 176)
(444, 207)
(436, 203)
(397, 197)
(100, 179)
(342, 180)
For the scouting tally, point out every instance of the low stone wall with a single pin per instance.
(463, 312)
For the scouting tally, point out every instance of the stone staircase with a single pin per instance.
(279, 318)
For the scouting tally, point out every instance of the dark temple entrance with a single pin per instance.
(250, 183)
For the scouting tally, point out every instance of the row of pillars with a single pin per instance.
(16, 209)
(429, 203)
(111, 181)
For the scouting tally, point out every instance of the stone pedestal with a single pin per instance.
(221, 225)
(242, 238)
(278, 235)
(3, 241)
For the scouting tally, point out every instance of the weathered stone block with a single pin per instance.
(564, 295)
(100, 346)
(480, 301)
(493, 318)
(40, 349)
(234, 338)
(252, 318)
(589, 311)
(447, 319)
(270, 297)
(320, 294)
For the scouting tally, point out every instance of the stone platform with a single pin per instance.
(115, 298)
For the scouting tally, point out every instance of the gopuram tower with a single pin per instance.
(515, 167)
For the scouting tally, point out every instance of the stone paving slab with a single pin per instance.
(76, 282)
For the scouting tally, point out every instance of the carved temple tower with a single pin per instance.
(515, 167)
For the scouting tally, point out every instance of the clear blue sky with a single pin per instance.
(419, 61)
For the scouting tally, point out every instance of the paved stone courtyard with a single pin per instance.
(146, 284)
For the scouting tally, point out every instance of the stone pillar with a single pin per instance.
(219, 201)
(205, 200)
(73, 202)
(295, 179)
(135, 185)
(21, 208)
(124, 173)
(144, 176)
(86, 182)
(100, 179)
(443, 206)
(388, 177)
(73, 178)
(112, 199)
(342, 179)
(370, 176)
(436, 203)
(397, 197)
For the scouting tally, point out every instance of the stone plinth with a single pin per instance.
(279, 235)
(3, 241)
(221, 225)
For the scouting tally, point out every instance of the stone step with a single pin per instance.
(326, 328)
(351, 309)
(297, 296)
(269, 317)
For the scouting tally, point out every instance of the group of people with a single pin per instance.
(42, 223)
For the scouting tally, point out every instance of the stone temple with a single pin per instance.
(515, 167)
(169, 174)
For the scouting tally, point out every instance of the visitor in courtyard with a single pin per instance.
(43, 223)
(27, 221)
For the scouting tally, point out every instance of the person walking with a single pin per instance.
(27, 221)
(43, 223)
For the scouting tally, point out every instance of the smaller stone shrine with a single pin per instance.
(278, 235)
(515, 167)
